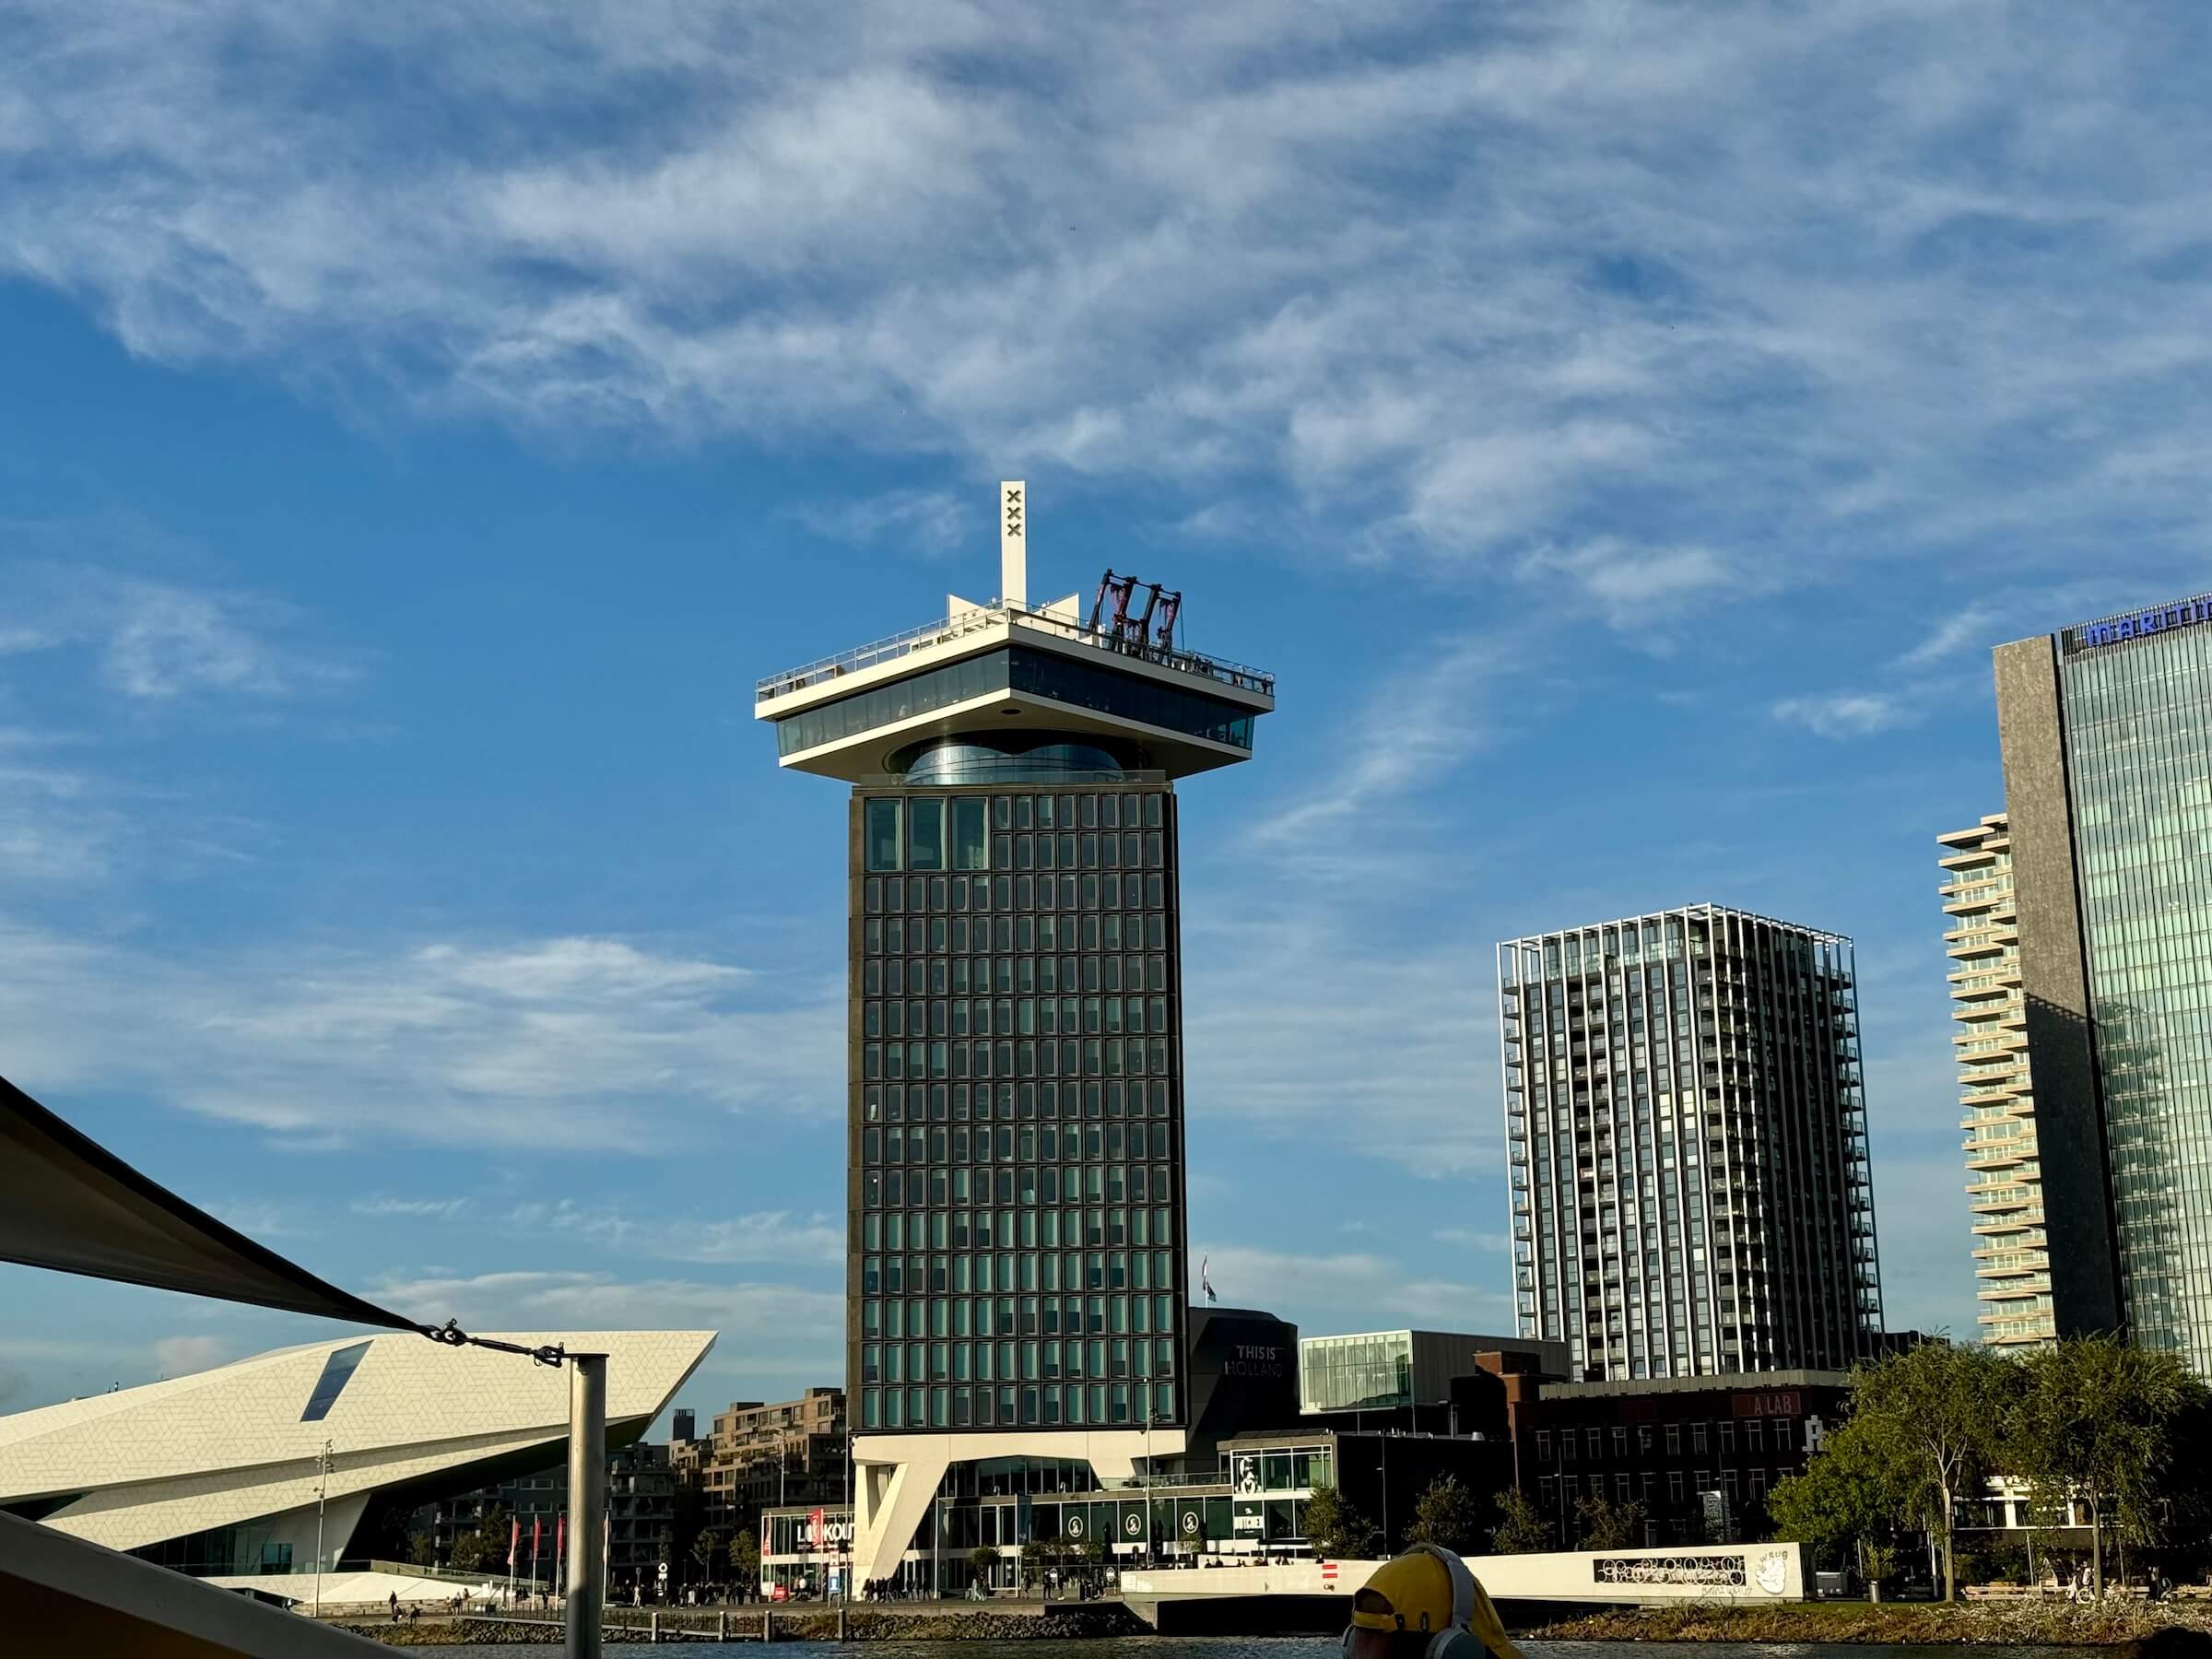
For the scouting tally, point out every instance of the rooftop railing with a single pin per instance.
(1239, 675)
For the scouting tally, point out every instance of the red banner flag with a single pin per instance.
(815, 1530)
(514, 1541)
(535, 1523)
(561, 1540)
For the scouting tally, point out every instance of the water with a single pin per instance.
(1291, 1647)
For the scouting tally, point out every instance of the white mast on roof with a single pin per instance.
(1013, 542)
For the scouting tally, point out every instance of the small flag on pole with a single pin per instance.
(536, 1522)
(514, 1540)
(560, 1542)
(1204, 1283)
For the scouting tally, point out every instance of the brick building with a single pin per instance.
(641, 1510)
(767, 1456)
(1699, 1454)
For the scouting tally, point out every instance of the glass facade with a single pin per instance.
(1346, 1373)
(1016, 1245)
(2137, 734)
(1686, 1149)
(1037, 673)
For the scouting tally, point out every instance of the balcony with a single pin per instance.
(930, 634)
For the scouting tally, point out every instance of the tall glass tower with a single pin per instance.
(2107, 736)
(1015, 1271)
(1686, 1137)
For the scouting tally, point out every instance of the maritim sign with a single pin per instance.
(2137, 625)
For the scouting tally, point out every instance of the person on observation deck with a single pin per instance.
(1425, 1604)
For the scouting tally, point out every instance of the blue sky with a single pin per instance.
(1624, 430)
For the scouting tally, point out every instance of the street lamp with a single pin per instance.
(322, 1488)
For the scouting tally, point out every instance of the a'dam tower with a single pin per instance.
(1016, 1266)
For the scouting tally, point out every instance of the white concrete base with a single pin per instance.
(358, 1589)
(898, 1474)
(1693, 1572)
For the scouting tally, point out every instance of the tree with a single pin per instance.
(744, 1560)
(1037, 1555)
(1845, 1505)
(1605, 1525)
(982, 1558)
(1447, 1516)
(1196, 1539)
(1935, 1413)
(2096, 1422)
(1523, 1530)
(707, 1548)
(1334, 1529)
(484, 1549)
(422, 1549)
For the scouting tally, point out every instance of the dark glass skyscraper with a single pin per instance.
(1017, 1278)
(2107, 736)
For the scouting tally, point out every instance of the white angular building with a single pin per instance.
(218, 1473)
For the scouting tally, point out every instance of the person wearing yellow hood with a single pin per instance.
(1425, 1604)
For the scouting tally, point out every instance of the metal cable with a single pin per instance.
(453, 1336)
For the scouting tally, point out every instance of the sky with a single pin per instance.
(1623, 428)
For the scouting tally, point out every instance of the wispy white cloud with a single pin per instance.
(1296, 1025)
(930, 521)
(776, 1316)
(1409, 733)
(754, 1236)
(419, 1209)
(181, 1356)
(1853, 713)
(1188, 246)
(557, 1042)
(154, 640)
(1634, 586)
(263, 1217)
(1466, 1238)
(1354, 1290)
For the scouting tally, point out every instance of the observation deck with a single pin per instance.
(1016, 672)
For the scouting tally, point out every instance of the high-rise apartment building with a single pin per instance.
(1016, 1279)
(1686, 1129)
(2005, 1177)
(2106, 730)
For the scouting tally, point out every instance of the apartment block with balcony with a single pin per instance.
(768, 1455)
(1685, 1133)
(1996, 1096)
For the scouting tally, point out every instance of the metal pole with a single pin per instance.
(587, 1501)
(1386, 1492)
(322, 1489)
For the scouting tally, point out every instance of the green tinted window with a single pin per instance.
(882, 835)
(970, 840)
(925, 834)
